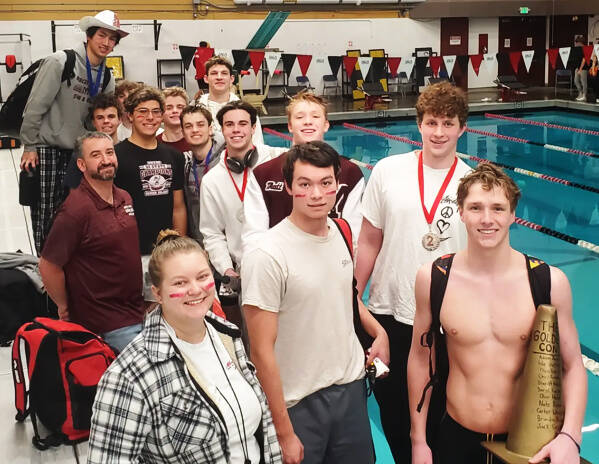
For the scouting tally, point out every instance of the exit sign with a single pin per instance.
(524, 10)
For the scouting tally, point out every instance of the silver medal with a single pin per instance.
(431, 241)
(240, 215)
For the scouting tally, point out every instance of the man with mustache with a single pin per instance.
(92, 244)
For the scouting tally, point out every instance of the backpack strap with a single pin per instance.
(68, 71)
(539, 277)
(363, 337)
(107, 76)
(439, 276)
(345, 230)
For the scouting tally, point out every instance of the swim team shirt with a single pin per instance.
(391, 202)
(307, 280)
(150, 177)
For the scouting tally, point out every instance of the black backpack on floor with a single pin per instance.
(11, 113)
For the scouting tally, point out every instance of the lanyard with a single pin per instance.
(429, 215)
(240, 193)
(194, 167)
(93, 87)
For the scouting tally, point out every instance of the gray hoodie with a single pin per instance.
(55, 113)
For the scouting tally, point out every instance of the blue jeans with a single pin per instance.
(118, 339)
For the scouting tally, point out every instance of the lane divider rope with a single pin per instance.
(543, 124)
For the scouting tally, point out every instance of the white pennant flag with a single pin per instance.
(365, 62)
(564, 53)
(225, 53)
(272, 60)
(406, 65)
(527, 56)
(449, 63)
(490, 59)
(597, 50)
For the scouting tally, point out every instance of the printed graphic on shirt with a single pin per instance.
(273, 186)
(129, 210)
(156, 178)
(447, 207)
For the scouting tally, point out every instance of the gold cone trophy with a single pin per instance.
(538, 413)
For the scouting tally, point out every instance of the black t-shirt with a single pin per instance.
(150, 177)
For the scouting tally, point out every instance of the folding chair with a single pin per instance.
(563, 76)
(329, 81)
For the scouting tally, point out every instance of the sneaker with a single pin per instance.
(580, 98)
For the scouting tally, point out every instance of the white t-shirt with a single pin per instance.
(123, 132)
(307, 280)
(221, 212)
(391, 202)
(209, 364)
(214, 107)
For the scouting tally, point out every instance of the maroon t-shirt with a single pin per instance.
(97, 246)
(279, 203)
(180, 145)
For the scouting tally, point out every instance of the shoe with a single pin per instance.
(580, 98)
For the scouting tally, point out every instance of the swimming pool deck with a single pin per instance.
(479, 100)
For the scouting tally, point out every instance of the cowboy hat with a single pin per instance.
(105, 19)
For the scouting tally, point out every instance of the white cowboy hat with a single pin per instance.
(105, 19)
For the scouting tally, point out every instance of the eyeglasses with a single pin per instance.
(145, 112)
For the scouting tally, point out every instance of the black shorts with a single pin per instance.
(456, 444)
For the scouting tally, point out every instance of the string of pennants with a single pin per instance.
(245, 59)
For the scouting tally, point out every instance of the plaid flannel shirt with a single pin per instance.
(148, 408)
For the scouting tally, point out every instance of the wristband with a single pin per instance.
(571, 438)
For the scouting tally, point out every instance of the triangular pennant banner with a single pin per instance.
(449, 61)
(241, 60)
(476, 60)
(564, 53)
(186, 55)
(407, 65)
(304, 63)
(365, 62)
(527, 55)
(225, 53)
(490, 60)
(552, 54)
(272, 61)
(462, 62)
(349, 63)
(393, 63)
(435, 64)
(288, 62)
(256, 58)
(597, 50)
(515, 60)
(335, 64)
(588, 52)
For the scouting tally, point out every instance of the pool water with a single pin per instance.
(562, 208)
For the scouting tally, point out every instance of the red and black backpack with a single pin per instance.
(56, 367)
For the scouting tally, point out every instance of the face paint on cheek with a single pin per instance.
(176, 295)
(300, 195)
(209, 286)
(332, 192)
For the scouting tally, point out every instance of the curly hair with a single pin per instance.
(143, 94)
(489, 176)
(442, 99)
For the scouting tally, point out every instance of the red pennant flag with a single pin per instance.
(304, 63)
(349, 63)
(435, 64)
(476, 60)
(515, 60)
(552, 54)
(202, 54)
(588, 51)
(256, 59)
(393, 64)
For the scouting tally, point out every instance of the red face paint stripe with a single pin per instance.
(300, 195)
(332, 192)
(209, 286)
(176, 295)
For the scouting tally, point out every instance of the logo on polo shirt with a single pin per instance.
(272, 186)
(129, 210)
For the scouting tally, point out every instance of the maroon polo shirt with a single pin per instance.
(180, 145)
(97, 246)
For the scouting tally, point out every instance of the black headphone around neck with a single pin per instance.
(248, 161)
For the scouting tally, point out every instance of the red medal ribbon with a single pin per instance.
(429, 215)
(240, 193)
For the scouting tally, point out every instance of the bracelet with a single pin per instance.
(571, 438)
